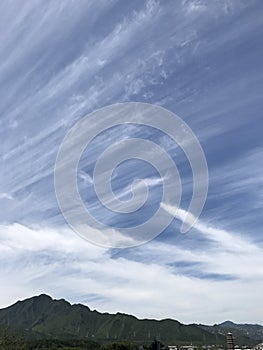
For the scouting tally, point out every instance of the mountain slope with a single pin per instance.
(254, 331)
(243, 333)
(42, 316)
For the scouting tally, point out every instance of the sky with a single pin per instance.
(201, 60)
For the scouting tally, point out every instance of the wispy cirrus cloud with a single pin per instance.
(200, 59)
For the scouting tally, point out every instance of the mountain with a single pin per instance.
(243, 333)
(254, 331)
(43, 317)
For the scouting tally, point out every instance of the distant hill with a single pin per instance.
(243, 333)
(254, 331)
(41, 317)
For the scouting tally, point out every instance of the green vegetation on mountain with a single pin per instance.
(253, 331)
(42, 319)
(248, 334)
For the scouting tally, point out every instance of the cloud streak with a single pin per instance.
(61, 265)
(200, 59)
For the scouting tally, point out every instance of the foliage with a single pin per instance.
(156, 345)
(118, 346)
(10, 340)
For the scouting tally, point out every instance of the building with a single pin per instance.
(172, 347)
(259, 347)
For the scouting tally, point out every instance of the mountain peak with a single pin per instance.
(227, 324)
(43, 296)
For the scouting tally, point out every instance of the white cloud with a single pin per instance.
(231, 253)
(53, 83)
(59, 263)
(6, 196)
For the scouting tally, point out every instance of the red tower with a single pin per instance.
(230, 341)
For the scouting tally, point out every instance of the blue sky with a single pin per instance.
(201, 59)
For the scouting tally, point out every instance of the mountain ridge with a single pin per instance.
(44, 317)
